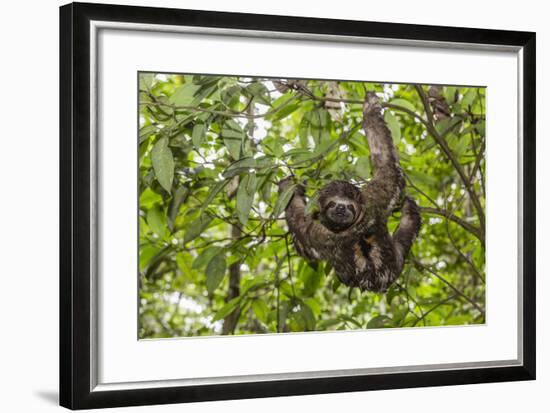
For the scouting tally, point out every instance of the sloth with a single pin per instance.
(350, 230)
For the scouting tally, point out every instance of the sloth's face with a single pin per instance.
(339, 213)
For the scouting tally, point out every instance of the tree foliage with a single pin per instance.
(214, 253)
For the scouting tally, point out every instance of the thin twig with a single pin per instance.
(448, 284)
(450, 216)
(436, 306)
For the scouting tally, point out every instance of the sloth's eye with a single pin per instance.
(331, 204)
(351, 208)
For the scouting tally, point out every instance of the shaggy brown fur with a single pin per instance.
(351, 233)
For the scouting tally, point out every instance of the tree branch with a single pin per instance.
(447, 151)
(245, 113)
(450, 216)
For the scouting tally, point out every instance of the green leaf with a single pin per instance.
(468, 98)
(393, 125)
(283, 200)
(459, 320)
(148, 198)
(303, 131)
(391, 294)
(480, 128)
(307, 316)
(184, 95)
(157, 221)
(284, 308)
(404, 103)
(146, 254)
(351, 320)
(283, 99)
(336, 283)
(286, 288)
(443, 125)
(264, 162)
(260, 93)
(362, 167)
(245, 197)
(146, 132)
(242, 165)
(311, 205)
(212, 194)
(325, 140)
(314, 305)
(283, 113)
(423, 178)
(297, 152)
(330, 322)
(179, 198)
(146, 80)
(205, 256)
(266, 189)
(143, 228)
(397, 317)
(207, 79)
(459, 145)
(312, 280)
(301, 156)
(199, 135)
(316, 133)
(449, 94)
(215, 271)
(261, 309)
(230, 95)
(195, 228)
(379, 321)
(227, 309)
(163, 163)
(252, 284)
(182, 261)
(233, 137)
(204, 92)
(319, 118)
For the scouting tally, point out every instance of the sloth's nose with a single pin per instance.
(340, 208)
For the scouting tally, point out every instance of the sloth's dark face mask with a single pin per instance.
(340, 213)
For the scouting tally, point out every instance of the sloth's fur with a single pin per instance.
(351, 230)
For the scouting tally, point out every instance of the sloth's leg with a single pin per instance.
(408, 229)
(385, 188)
(308, 235)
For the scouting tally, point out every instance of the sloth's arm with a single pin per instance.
(309, 235)
(383, 192)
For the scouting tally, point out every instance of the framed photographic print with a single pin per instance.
(258, 205)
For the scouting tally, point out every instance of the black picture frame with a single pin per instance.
(75, 219)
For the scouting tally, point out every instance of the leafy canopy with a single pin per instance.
(214, 253)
